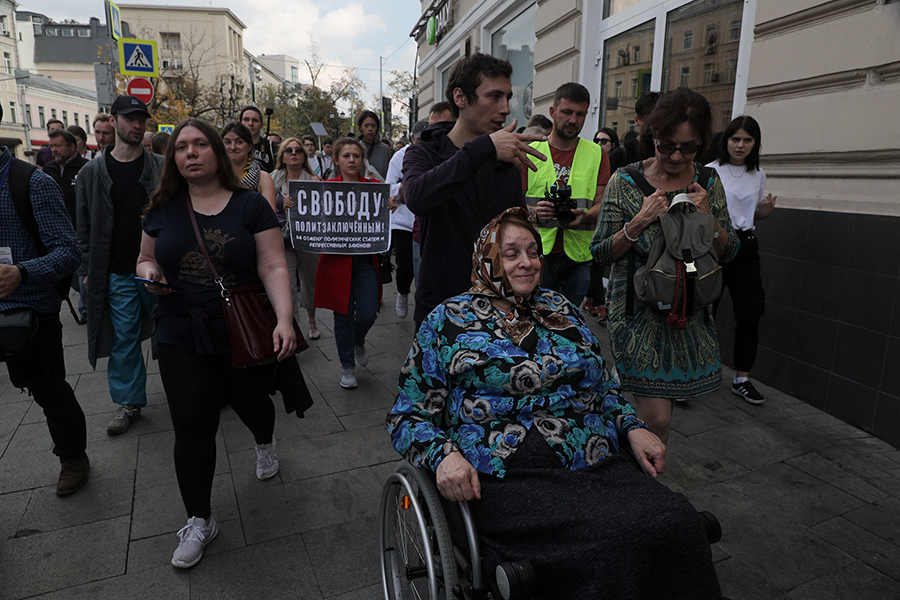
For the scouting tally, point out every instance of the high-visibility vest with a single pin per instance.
(582, 180)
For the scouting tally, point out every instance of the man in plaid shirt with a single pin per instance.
(28, 282)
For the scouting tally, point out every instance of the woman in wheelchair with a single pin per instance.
(505, 397)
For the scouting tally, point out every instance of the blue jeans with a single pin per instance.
(128, 302)
(569, 278)
(350, 330)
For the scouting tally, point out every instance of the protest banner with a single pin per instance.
(340, 217)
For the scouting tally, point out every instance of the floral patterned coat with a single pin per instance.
(465, 386)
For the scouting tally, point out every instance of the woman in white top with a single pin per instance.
(744, 182)
(291, 164)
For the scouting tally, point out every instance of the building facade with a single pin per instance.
(803, 69)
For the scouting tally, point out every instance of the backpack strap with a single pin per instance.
(646, 189)
(20, 173)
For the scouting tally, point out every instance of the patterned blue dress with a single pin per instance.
(465, 386)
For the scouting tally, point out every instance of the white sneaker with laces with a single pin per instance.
(348, 379)
(266, 461)
(402, 305)
(194, 537)
(362, 356)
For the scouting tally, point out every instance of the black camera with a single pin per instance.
(560, 195)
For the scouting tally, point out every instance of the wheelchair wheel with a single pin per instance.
(417, 559)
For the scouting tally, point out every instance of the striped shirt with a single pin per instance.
(56, 232)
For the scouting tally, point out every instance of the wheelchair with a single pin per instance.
(430, 549)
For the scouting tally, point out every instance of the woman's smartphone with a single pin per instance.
(159, 283)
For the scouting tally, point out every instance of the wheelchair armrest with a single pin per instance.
(625, 448)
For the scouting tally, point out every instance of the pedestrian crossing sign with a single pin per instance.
(138, 58)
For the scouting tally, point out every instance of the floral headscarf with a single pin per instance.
(490, 280)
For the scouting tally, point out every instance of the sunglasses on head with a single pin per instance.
(668, 149)
(294, 151)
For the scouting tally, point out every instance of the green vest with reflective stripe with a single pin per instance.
(582, 180)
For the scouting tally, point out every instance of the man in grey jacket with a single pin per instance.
(112, 191)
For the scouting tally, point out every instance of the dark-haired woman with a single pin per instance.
(239, 145)
(292, 164)
(595, 300)
(350, 285)
(745, 187)
(244, 243)
(658, 362)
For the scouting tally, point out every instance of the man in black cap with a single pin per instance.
(112, 191)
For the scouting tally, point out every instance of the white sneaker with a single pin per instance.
(266, 461)
(362, 357)
(194, 537)
(402, 305)
(348, 379)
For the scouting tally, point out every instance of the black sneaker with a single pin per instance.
(746, 391)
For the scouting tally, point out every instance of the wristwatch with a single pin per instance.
(23, 272)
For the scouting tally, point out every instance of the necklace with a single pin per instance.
(742, 169)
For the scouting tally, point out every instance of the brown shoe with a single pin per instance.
(73, 476)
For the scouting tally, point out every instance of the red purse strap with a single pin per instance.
(190, 208)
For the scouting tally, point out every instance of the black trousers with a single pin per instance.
(748, 299)
(596, 292)
(197, 387)
(402, 244)
(43, 374)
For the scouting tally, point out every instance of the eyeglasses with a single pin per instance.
(603, 140)
(294, 151)
(668, 149)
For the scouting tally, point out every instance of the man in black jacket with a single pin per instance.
(463, 174)
(65, 165)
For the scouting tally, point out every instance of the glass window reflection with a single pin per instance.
(515, 43)
(698, 58)
(625, 62)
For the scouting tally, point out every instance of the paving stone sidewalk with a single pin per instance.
(810, 506)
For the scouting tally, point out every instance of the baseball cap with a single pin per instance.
(419, 127)
(129, 105)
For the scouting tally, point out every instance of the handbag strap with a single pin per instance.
(190, 208)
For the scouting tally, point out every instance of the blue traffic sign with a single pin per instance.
(138, 57)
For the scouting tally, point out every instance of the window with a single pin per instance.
(52, 32)
(38, 29)
(65, 118)
(68, 33)
(514, 41)
(12, 112)
(632, 126)
(637, 54)
(171, 42)
(28, 115)
(52, 113)
(616, 72)
(74, 118)
(7, 62)
(4, 26)
(730, 70)
(688, 40)
(171, 63)
(685, 76)
(294, 75)
(709, 70)
(87, 124)
(724, 120)
(84, 33)
(712, 35)
(734, 31)
(611, 7)
(42, 121)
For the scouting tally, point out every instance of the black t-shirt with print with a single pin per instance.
(129, 199)
(228, 236)
(264, 155)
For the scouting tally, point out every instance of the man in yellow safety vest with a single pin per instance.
(584, 168)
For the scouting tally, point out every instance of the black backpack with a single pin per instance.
(682, 272)
(20, 189)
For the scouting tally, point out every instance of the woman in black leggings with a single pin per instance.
(243, 239)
